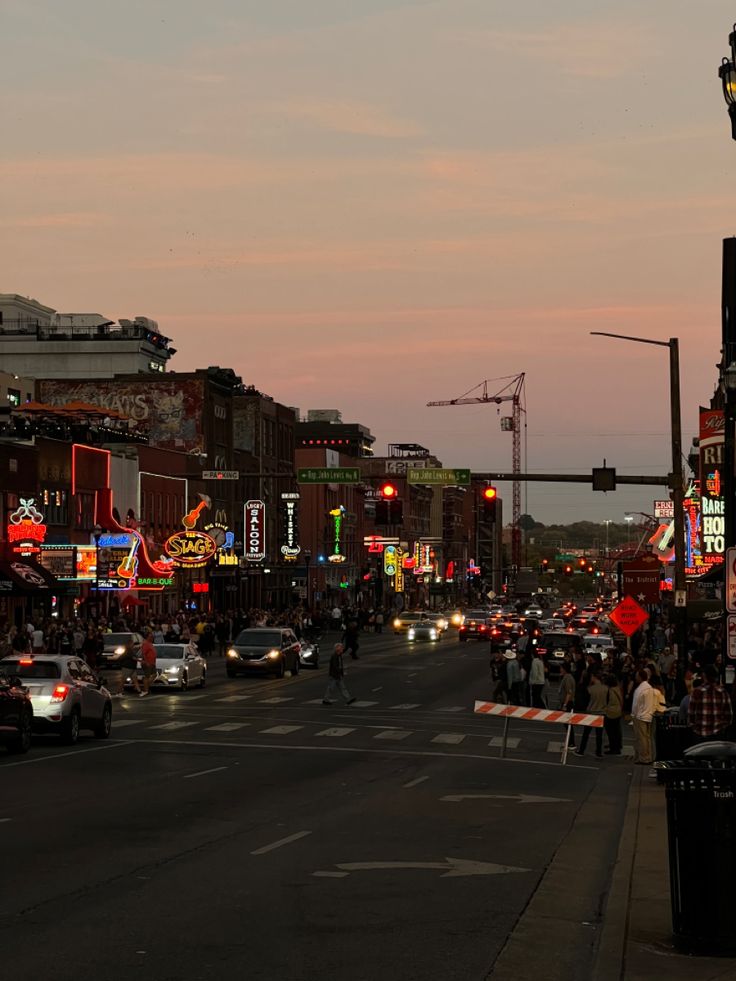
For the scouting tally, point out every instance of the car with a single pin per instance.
(536, 612)
(120, 646)
(599, 644)
(554, 648)
(440, 621)
(456, 618)
(308, 653)
(583, 625)
(476, 624)
(177, 666)
(66, 695)
(16, 712)
(269, 650)
(424, 629)
(403, 621)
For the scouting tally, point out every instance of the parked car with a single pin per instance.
(178, 666)
(16, 711)
(65, 693)
(270, 650)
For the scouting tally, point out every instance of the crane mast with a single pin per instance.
(512, 391)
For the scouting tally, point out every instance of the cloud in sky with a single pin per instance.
(403, 196)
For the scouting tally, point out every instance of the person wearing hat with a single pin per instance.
(513, 677)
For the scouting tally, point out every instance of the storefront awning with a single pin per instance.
(23, 577)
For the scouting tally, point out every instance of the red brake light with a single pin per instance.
(60, 693)
(26, 660)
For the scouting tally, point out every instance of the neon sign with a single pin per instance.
(337, 514)
(26, 530)
(291, 548)
(190, 548)
(255, 531)
(390, 560)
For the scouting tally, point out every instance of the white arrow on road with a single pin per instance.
(520, 798)
(451, 868)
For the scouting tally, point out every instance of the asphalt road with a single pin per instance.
(247, 829)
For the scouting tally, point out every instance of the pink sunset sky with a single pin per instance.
(368, 204)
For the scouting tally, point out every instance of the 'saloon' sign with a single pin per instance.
(254, 546)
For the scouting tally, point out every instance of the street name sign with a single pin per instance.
(438, 475)
(628, 616)
(328, 475)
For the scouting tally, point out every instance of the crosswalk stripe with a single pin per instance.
(451, 738)
(281, 730)
(276, 700)
(227, 727)
(406, 705)
(175, 725)
(363, 705)
(451, 708)
(313, 701)
(555, 746)
(336, 731)
(233, 698)
(119, 723)
(512, 742)
(393, 734)
(186, 696)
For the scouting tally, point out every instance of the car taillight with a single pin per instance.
(26, 660)
(482, 626)
(541, 650)
(60, 693)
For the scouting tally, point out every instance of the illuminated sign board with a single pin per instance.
(399, 574)
(59, 560)
(712, 501)
(390, 560)
(154, 581)
(26, 530)
(291, 548)
(254, 524)
(86, 562)
(664, 509)
(337, 514)
(191, 549)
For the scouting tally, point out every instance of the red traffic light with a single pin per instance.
(490, 493)
(388, 491)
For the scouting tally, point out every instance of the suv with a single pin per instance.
(554, 648)
(16, 711)
(476, 624)
(272, 650)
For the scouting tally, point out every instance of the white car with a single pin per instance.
(599, 644)
(177, 666)
(65, 693)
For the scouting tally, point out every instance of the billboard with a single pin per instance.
(254, 524)
(712, 503)
(169, 409)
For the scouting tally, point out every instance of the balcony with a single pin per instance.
(70, 332)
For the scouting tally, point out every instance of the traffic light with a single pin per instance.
(545, 565)
(489, 496)
(388, 491)
(389, 509)
(568, 570)
(582, 563)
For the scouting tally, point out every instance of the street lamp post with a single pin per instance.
(727, 75)
(676, 482)
(629, 519)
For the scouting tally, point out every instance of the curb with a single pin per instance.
(611, 955)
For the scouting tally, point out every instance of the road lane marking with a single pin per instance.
(451, 868)
(335, 731)
(233, 698)
(202, 773)
(5, 820)
(512, 742)
(281, 842)
(324, 748)
(119, 723)
(415, 782)
(393, 734)
(187, 697)
(227, 727)
(314, 701)
(175, 725)
(406, 705)
(452, 708)
(363, 705)
(451, 738)
(281, 730)
(61, 756)
(380, 688)
(276, 700)
(331, 875)
(519, 798)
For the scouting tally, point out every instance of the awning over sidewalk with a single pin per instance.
(23, 577)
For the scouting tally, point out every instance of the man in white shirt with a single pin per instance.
(642, 713)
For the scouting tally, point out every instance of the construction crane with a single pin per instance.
(512, 391)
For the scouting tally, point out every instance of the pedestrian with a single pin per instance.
(379, 621)
(336, 617)
(536, 680)
(513, 677)
(597, 700)
(37, 640)
(148, 657)
(336, 685)
(613, 714)
(709, 713)
(642, 714)
(498, 677)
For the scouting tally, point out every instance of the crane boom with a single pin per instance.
(512, 391)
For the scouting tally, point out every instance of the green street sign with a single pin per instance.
(328, 475)
(438, 475)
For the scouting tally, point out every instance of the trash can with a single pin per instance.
(701, 825)
(671, 737)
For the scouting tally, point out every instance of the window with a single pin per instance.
(55, 507)
(14, 396)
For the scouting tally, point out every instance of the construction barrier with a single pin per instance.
(528, 714)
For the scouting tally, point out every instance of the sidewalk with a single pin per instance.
(636, 941)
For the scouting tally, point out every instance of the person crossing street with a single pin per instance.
(336, 684)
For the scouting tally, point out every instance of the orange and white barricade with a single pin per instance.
(528, 714)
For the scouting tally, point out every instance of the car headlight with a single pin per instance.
(232, 652)
(174, 670)
(119, 650)
(273, 654)
(433, 634)
(411, 635)
(442, 624)
(397, 623)
(306, 653)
